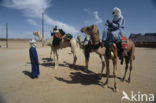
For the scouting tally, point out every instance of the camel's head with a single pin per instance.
(93, 32)
(38, 34)
(90, 30)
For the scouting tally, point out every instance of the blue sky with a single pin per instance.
(24, 16)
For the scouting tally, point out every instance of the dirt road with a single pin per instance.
(66, 84)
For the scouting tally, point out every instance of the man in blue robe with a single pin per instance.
(115, 30)
(34, 59)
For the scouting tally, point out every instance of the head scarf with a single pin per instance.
(116, 13)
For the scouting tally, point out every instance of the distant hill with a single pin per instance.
(146, 40)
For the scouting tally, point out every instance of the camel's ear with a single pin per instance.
(92, 27)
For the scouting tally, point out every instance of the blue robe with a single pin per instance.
(34, 62)
(117, 29)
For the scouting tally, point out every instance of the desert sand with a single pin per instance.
(66, 84)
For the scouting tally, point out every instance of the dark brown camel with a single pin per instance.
(96, 47)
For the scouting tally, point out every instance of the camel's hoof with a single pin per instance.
(56, 64)
(123, 79)
(105, 86)
(73, 66)
(129, 80)
(116, 90)
(55, 67)
(85, 69)
(100, 77)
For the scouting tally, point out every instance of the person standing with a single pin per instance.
(34, 59)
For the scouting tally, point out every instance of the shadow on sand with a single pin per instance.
(84, 79)
(27, 73)
(47, 62)
(82, 76)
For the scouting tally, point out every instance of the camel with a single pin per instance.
(38, 34)
(128, 55)
(40, 38)
(64, 43)
(101, 51)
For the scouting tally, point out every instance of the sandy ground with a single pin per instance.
(67, 85)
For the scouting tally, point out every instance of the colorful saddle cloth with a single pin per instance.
(124, 42)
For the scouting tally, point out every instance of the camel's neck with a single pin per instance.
(95, 39)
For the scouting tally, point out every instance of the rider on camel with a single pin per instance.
(115, 30)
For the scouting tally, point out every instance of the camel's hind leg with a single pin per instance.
(74, 58)
(126, 68)
(131, 66)
(132, 57)
(74, 55)
(114, 73)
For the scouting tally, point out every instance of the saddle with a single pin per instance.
(68, 37)
(124, 42)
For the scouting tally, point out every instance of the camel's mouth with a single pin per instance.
(83, 30)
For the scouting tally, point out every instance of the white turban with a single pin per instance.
(116, 12)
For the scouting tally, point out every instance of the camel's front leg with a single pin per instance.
(131, 66)
(57, 58)
(86, 62)
(74, 55)
(54, 56)
(103, 65)
(73, 50)
(107, 72)
(86, 59)
(51, 53)
(114, 73)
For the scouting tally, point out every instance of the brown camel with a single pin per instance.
(96, 47)
(128, 55)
